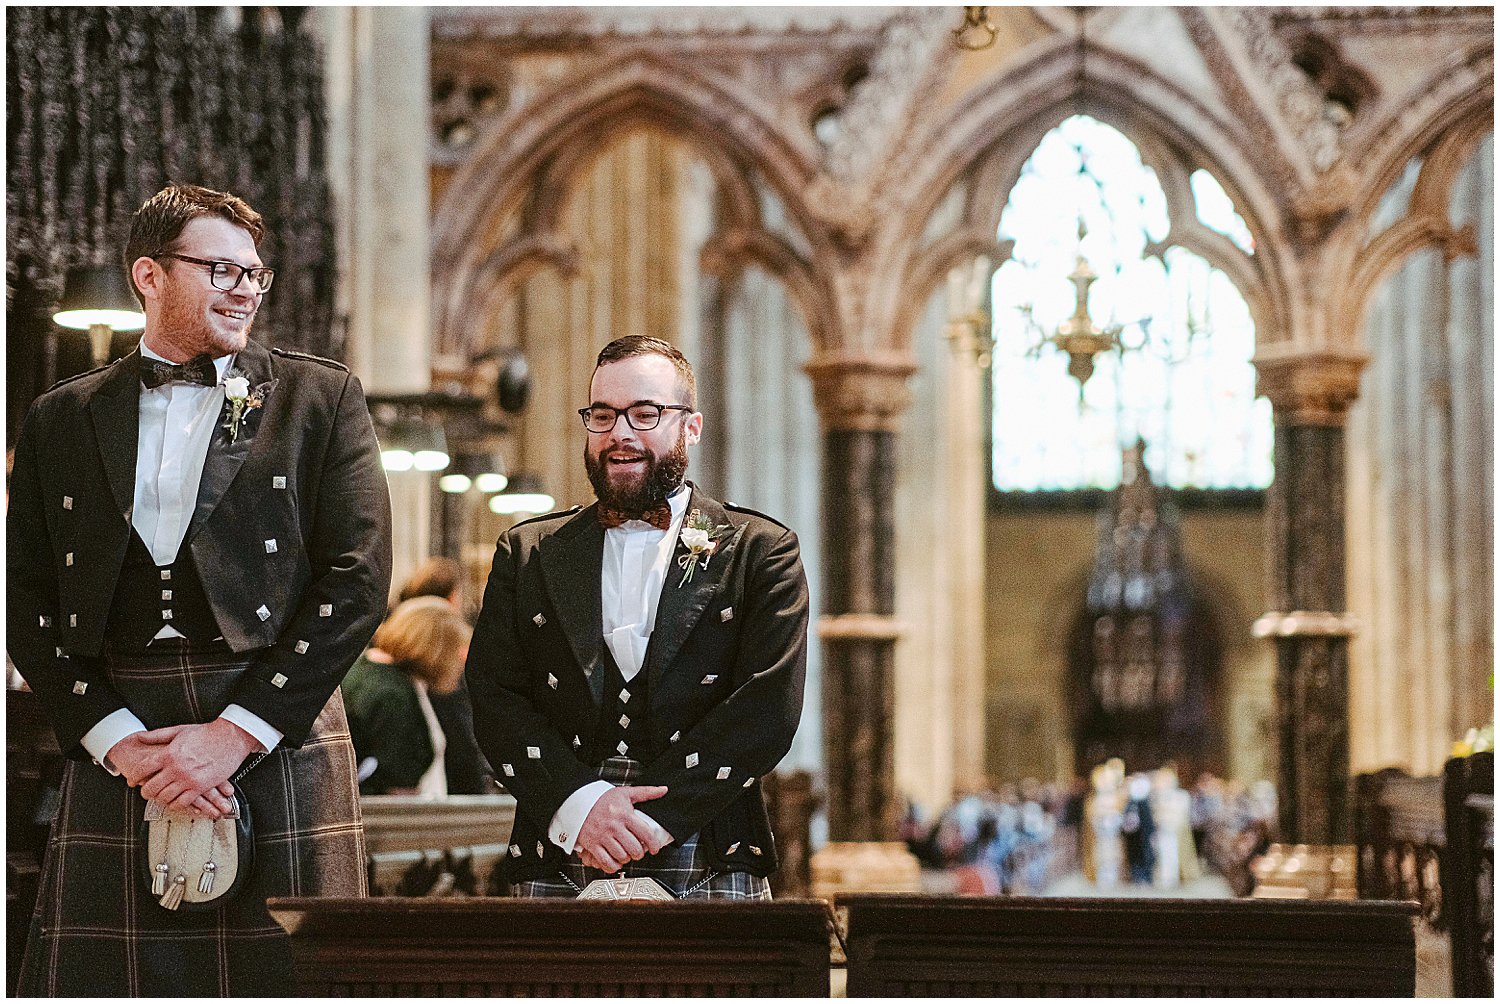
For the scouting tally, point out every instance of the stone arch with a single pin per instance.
(1444, 126)
(985, 141)
(520, 162)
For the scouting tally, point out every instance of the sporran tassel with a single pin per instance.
(173, 899)
(206, 882)
(159, 879)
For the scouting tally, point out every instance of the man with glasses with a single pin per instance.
(638, 665)
(198, 549)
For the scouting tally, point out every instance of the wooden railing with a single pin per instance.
(550, 948)
(912, 946)
(1399, 837)
(436, 847)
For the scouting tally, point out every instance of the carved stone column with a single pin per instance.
(860, 400)
(376, 87)
(1311, 393)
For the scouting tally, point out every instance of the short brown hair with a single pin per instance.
(644, 345)
(433, 577)
(426, 636)
(156, 225)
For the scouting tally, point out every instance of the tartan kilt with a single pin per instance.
(681, 868)
(98, 931)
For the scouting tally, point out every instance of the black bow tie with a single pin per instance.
(200, 369)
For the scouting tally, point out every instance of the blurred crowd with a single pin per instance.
(1117, 829)
(1003, 839)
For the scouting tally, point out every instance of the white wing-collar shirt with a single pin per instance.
(637, 557)
(176, 428)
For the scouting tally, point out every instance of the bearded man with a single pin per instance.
(198, 549)
(638, 665)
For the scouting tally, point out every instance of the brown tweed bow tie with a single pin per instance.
(659, 516)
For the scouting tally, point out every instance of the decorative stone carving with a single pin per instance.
(867, 393)
(1309, 388)
(914, 49)
(1299, 101)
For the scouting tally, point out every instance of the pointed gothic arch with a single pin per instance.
(521, 165)
(982, 144)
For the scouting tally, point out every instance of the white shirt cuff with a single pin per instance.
(657, 828)
(113, 727)
(570, 815)
(267, 735)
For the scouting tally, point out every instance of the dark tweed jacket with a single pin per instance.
(725, 670)
(305, 472)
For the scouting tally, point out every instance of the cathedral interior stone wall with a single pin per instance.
(807, 200)
(773, 191)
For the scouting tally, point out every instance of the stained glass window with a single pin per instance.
(1184, 382)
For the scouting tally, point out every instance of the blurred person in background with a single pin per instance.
(442, 577)
(418, 651)
(467, 771)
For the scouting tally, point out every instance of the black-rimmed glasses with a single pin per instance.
(219, 272)
(642, 417)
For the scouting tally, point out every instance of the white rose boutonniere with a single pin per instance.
(242, 401)
(701, 538)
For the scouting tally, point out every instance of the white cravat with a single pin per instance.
(176, 428)
(637, 557)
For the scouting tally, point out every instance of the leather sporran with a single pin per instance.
(194, 863)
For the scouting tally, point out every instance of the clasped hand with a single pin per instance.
(185, 767)
(614, 833)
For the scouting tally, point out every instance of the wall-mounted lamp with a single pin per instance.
(473, 470)
(411, 427)
(412, 444)
(97, 299)
(524, 494)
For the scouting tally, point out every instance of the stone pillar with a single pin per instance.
(376, 86)
(1310, 392)
(860, 400)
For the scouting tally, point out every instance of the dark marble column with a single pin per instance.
(1308, 622)
(860, 400)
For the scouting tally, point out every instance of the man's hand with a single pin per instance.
(195, 764)
(614, 833)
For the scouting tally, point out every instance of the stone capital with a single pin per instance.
(1309, 387)
(865, 391)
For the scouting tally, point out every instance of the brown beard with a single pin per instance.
(663, 476)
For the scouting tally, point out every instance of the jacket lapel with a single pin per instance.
(225, 458)
(115, 411)
(572, 561)
(681, 605)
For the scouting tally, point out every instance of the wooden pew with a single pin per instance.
(1468, 871)
(1399, 839)
(912, 946)
(393, 947)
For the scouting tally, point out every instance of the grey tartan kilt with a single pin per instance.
(681, 868)
(98, 931)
